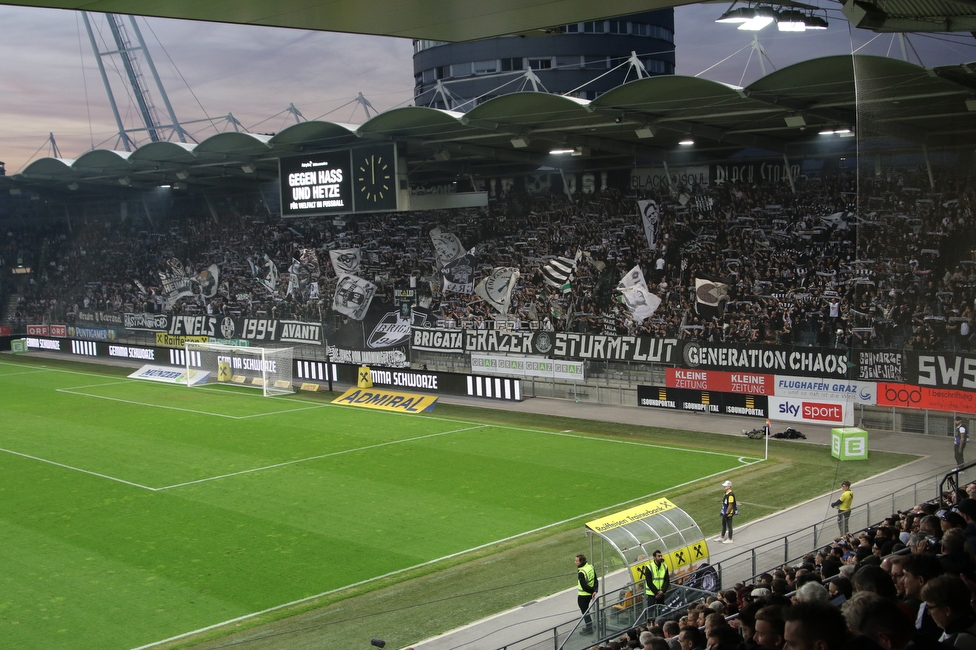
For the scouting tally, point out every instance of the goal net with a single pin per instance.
(269, 369)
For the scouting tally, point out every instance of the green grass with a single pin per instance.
(136, 511)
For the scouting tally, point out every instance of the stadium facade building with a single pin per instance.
(582, 60)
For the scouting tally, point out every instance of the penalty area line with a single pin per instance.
(158, 406)
(77, 469)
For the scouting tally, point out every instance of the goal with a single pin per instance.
(269, 369)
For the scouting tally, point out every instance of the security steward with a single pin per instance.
(586, 592)
(657, 580)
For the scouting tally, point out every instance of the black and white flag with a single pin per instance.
(636, 296)
(496, 289)
(650, 217)
(558, 272)
(458, 274)
(447, 247)
(353, 296)
(345, 261)
(710, 298)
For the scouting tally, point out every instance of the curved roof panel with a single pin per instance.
(315, 131)
(164, 152)
(49, 166)
(103, 160)
(413, 121)
(241, 144)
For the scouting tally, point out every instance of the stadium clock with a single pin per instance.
(374, 178)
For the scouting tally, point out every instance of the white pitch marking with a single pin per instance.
(78, 469)
(333, 453)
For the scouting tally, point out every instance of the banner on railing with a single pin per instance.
(821, 389)
(527, 367)
(924, 397)
(683, 399)
(772, 359)
(793, 409)
(717, 380)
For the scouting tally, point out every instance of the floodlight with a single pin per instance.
(815, 22)
(795, 121)
(520, 142)
(763, 18)
(739, 15)
(249, 168)
(791, 20)
(971, 105)
(646, 132)
(73, 186)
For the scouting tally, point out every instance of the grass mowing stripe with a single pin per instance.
(158, 406)
(310, 458)
(391, 574)
(77, 469)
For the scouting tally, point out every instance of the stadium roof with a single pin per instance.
(639, 123)
(465, 20)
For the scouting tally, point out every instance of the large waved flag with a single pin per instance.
(353, 296)
(459, 273)
(650, 217)
(710, 298)
(636, 296)
(345, 261)
(496, 289)
(447, 247)
(558, 272)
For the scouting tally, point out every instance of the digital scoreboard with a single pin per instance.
(357, 180)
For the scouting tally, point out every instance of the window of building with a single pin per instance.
(617, 26)
(443, 72)
(540, 64)
(571, 29)
(430, 76)
(461, 69)
(652, 31)
(594, 62)
(655, 66)
(567, 62)
(595, 27)
(485, 67)
(420, 45)
(511, 64)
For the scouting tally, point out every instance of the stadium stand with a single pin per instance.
(804, 268)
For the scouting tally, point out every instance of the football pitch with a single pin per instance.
(134, 511)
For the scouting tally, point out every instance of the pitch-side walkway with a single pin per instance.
(521, 622)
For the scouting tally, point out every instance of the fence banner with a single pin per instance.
(683, 399)
(823, 389)
(923, 397)
(940, 370)
(717, 380)
(877, 365)
(527, 367)
(38, 330)
(772, 359)
(793, 409)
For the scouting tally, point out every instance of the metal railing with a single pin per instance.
(790, 548)
(613, 613)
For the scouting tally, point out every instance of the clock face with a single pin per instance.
(375, 187)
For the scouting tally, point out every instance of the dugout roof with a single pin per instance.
(641, 123)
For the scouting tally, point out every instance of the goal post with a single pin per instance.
(269, 369)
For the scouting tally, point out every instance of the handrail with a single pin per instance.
(744, 567)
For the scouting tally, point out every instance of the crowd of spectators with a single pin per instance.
(907, 583)
(883, 262)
